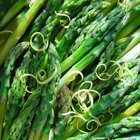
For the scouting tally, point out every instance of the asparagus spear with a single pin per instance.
(5, 6)
(62, 106)
(126, 125)
(16, 95)
(106, 24)
(5, 77)
(90, 57)
(76, 25)
(9, 29)
(130, 136)
(45, 110)
(68, 7)
(13, 11)
(21, 125)
(101, 132)
(14, 38)
(106, 101)
(124, 102)
(39, 22)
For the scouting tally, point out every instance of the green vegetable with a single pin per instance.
(69, 70)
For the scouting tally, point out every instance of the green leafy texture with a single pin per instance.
(44, 113)
(6, 76)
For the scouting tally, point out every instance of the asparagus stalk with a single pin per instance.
(128, 112)
(46, 107)
(90, 57)
(7, 75)
(134, 42)
(9, 29)
(5, 6)
(126, 125)
(13, 11)
(20, 30)
(116, 52)
(68, 7)
(16, 95)
(79, 22)
(101, 133)
(106, 24)
(39, 22)
(21, 125)
(130, 136)
(106, 101)
(63, 105)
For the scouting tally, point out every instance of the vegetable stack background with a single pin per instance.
(69, 69)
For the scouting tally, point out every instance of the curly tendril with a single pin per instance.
(72, 75)
(123, 2)
(22, 78)
(84, 96)
(31, 42)
(99, 76)
(103, 116)
(90, 126)
(64, 22)
(115, 71)
(124, 71)
(86, 82)
(47, 80)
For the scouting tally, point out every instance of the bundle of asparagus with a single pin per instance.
(69, 70)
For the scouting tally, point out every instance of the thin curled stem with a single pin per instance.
(83, 95)
(123, 2)
(48, 79)
(103, 116)
(72, 75)
(44, 42)
(90, 128)
(86, 82)
(99, 76)
(22, 78)
(63, 22)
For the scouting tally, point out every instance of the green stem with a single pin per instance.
(20, 30)
(2, 111)
(13, 11)
(135, 40)
(129, 28)
(133, 109)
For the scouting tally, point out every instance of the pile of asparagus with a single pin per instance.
(69, 69)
